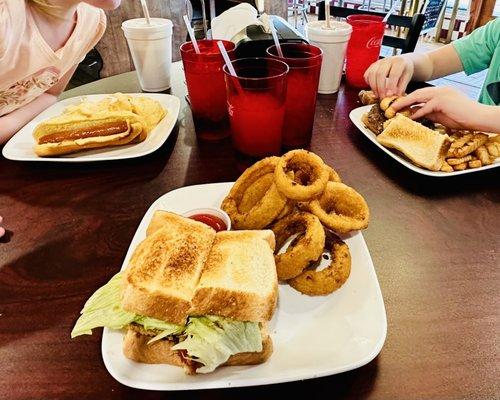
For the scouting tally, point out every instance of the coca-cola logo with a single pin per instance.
(374, 42)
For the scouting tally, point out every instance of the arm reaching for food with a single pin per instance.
(390, 76)
(451, 108)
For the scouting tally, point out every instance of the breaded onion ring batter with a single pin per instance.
(264, 210)
(309, 177)
(319, 283)
(307, 247)
(340, 208)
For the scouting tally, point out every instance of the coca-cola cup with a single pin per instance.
(364, 46)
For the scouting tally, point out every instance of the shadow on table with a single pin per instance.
(356, 384)
(27, 182)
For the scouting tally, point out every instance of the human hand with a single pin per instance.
(2, 229)
(444, 105)
(389, 76)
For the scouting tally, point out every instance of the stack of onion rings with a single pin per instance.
(307, 247)
(298, 194)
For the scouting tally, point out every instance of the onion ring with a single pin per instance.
(309, 175)
(340, 208)
(326, 281)
(266, 209)
(255, 192)
(307, 247)
(332, 175)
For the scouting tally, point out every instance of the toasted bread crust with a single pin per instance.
(165, 268)
(239, 281)
(420, 144)
(135, 347)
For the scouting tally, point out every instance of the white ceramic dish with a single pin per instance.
(356, 115)
(312, 336)
(20, 146)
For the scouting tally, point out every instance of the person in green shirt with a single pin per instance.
(473, 53)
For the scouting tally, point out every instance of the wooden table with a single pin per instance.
(433, 241)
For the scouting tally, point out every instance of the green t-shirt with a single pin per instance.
(481, 50)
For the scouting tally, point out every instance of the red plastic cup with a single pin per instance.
(304, 61)
(364, 46)
(256, 101)
(206, 88)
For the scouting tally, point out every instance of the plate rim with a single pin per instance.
(175, 115)
(255, 381)
(353, 115)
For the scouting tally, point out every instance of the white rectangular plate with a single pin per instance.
(356, 115)
(20, 146)
(312, 336)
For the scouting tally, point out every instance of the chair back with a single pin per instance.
(413, 24)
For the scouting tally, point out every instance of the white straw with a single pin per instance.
(191, 34)
(327, 14)
(225, 56)
(393, 8)
(275, 38)
(145, 11)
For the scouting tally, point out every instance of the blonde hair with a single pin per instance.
(45, 6)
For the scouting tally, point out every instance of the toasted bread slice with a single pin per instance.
(420, 144)
(165, 268)
(135, 347)
(239, 278)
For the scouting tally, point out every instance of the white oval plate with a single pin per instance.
(20, 146)
(312, 336)
(356, 115)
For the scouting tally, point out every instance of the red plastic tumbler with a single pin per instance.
(206, 88)
(256, 101)
(364, 46)
(304, 61)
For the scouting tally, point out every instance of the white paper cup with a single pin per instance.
(333, 42)
(151, 48)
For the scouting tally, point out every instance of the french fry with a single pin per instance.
(475, 164)
(461, 141)
(483, 155)
(458, 161)
(477, 140)
(493, 149)
(445, 167)
(460, 167)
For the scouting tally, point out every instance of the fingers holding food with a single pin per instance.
(265, 207)
(305, 248)
(309, 176)
(340, 208)
(326, 281)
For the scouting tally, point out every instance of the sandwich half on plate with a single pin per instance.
(191, 297)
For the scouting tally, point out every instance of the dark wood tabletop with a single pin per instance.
(434, 243)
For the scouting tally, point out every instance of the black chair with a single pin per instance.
(407, 44)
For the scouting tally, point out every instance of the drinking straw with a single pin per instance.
(275, 38)
(191, 34)
(225, 56)
(393, 8)
(327, 14)
(145, 11)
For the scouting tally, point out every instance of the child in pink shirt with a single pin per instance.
(41, 44)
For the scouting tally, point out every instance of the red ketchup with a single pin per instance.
(210, 220)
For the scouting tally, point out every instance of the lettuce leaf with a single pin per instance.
(103, 309)
(212, 340)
